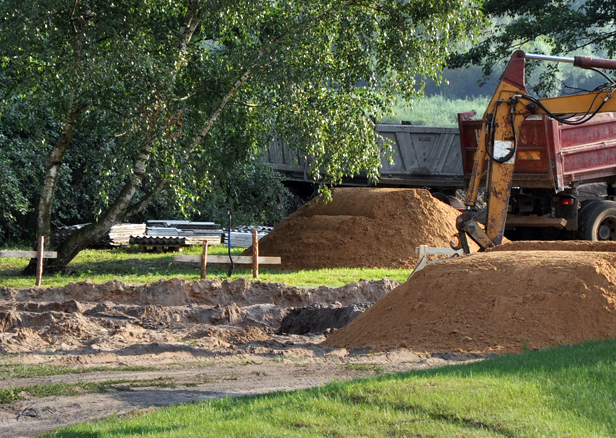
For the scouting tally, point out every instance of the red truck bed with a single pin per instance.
(553, 155)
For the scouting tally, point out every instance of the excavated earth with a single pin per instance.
(361, 228)
(219, 338)
(200, 340)
(522, 295)
(215, 316)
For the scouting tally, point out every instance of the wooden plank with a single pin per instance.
(424, 250)
(39, 262)
(242, 260)
(204, 261)
(255, 254)
(29, 254)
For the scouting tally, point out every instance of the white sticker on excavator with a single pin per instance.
(502, 149)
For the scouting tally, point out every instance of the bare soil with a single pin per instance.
(556, 245)
(362, 227)
(214, 339)
(498, 301)
(208, 339)
(195, 380)
(85, 318)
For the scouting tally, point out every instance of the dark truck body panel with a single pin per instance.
(422, 156)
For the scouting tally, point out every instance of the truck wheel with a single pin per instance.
(582, 214)
(597, 221)
(441, 197)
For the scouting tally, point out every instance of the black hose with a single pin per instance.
(585, 118)
(490, 135)
(564, 120)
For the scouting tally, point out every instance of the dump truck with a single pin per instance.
(559, 171)
(532, 156)
(423, 157)
(562, 174)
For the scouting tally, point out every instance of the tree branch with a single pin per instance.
(141, 205)
(244, 77)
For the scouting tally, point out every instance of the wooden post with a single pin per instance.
(39, 264)
(204, 260)
(255, 254)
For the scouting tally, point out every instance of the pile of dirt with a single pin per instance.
(502, 301)
(213, 317)
(361, 227)
(556, 245)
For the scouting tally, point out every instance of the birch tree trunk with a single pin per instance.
(83, 237)
(50, 181)
(121, 208)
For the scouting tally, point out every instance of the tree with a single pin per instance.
(555, 27)
(152, 79)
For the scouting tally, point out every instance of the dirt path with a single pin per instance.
(207, 380)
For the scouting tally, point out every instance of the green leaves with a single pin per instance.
(204, 86)
(556, 27)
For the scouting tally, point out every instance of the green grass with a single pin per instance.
(13, 370)
(439, 111)
(15, 393)
(561, 392)
(132, 267)
(364, 367)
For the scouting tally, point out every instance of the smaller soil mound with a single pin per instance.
(555, 245)
(496, 301)
(361, 227)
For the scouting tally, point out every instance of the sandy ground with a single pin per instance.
(529, 296)
(194, 380)
(204, 339)
(211, 339)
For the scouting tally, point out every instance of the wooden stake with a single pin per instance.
(39, 257)
(204, 260)
(255, 254)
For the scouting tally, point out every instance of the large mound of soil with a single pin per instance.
(496, 301)
(361, 227)
(556, 245)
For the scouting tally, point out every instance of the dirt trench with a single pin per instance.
(85, 318)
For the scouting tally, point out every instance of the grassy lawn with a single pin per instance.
(568, 391)
(16, 393)
(133, 267)
(11, 370)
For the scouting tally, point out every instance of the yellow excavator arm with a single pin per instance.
(509, 107)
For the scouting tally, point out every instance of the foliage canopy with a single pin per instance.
(162, 95)
(553, 27)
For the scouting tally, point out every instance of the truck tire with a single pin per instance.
(597, 221)
(584, 206)
(441, 197)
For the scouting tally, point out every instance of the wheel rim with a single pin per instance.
(607, 229)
